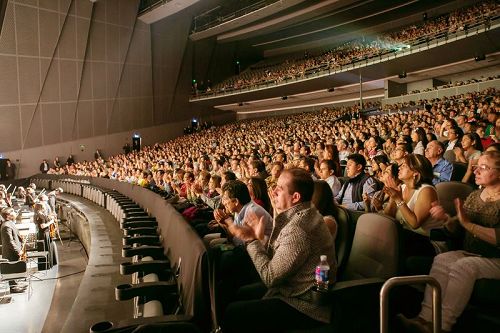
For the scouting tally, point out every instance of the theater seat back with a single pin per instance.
(374, 252)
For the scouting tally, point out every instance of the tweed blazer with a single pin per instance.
(286, 264)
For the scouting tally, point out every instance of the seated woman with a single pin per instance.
(411, 202)
(323, 201)
(469, 175)
(378, 165)
(457, 271)
(471, 148)
(257, 188)
(419, 138)
(377, 202)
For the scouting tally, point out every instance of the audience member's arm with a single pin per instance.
(490, 235)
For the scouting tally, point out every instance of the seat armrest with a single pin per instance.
(356, 287)
(141, 231)
(145, 250)
(151, 290)
(142, 239)
(145, 267)
(138, 224)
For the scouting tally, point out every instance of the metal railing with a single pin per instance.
(408, 280)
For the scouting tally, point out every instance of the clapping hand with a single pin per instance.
(437, 212)
(462, 217)
(253, 228)
(393, 190)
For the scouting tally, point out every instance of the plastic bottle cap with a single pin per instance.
(322, 257)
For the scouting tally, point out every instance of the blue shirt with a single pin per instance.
(369, 188)
(239, 219)
(442, 171)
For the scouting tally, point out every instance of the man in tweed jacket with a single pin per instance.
(286, 262)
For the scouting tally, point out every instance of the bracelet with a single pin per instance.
(400, 203)
(472, 230)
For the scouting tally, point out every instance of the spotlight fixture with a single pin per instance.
(284, 98)
(402, 75)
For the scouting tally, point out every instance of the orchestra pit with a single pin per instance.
(208, 166)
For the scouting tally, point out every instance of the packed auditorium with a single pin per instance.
(221, 166)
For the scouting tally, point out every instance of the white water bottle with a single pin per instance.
(322, 271)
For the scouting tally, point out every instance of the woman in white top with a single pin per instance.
(411, 202)
(471, 148)
(419, 138)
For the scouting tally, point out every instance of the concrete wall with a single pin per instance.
(76, 72)
(72, 69)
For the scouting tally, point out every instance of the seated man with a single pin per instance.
(12, 247)
(359, 183)
(441, 168)
(286, 262)
(232, 263)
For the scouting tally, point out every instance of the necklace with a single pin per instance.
(490, 196)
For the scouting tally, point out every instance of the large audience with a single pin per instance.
(238, 184)
(280, 70)
(338, 131)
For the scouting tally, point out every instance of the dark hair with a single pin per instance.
(423, 166)
(422, 137)
(329, 164)
(358, 159)
(309, 162)
(301, 182)
(476, 141)
(322, 198)
(260, 192)
(258, 165)
(236, 189)
(229, 175)
(394, 167)
(381, 159)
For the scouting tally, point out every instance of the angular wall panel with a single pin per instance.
(68, 80)
(8, 37)
(50, 92)
(10, 133)
(8, 80)
(84, 119)
(29, 79)
(27, 30)
(68, 125)
(31, 126)
(51, 122)
(49, 32)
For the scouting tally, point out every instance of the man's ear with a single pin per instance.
(296, 197)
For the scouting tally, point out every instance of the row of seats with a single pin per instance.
(367, 249)
(157, 284)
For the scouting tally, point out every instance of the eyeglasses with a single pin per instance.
(482, 168)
